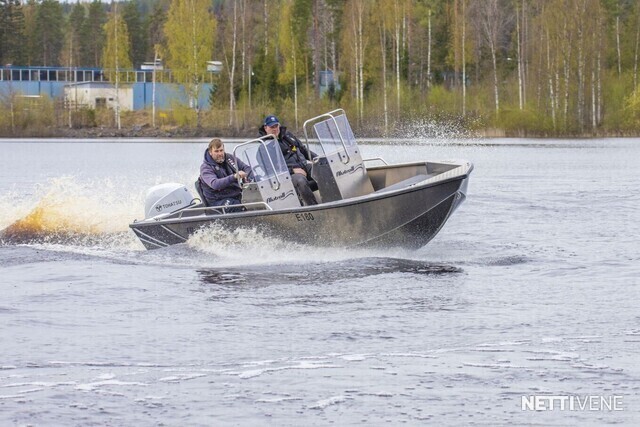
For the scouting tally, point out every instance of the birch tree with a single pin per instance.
(492, 18)
(230, 59)
(190, 31)
(426, 12)
(288, 49)
(460, 47)
(382, 30)
(356, 43)
(315, 46)
(464, 57)
(429, 44)
(115, 56)
(397, 17)
(553, 26)
(250, 18)
(636, 49)
(520, 13)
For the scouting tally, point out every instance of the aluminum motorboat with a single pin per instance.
(362, 202)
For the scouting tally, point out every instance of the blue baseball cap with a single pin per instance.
(271, 120)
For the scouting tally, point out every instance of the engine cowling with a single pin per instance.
(166, 199)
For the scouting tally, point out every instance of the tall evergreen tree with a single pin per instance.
(11, 32)
(154, 25)
(293, 25)
(137, 41)
(93, 36)
(49, 32)
(301, 24)
(30, 42)
(75, 26)
(4, 26)
(265, 79)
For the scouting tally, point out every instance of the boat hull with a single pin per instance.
(408, 217)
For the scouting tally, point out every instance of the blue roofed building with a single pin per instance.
(89, 87)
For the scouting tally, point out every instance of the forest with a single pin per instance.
(507, 67)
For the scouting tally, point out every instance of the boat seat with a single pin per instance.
(404, 183)
(198, 185)
(313, 184)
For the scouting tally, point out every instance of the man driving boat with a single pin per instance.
(219, 176)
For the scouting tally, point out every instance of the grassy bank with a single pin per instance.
(44, 118)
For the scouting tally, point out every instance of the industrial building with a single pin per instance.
(89, 88)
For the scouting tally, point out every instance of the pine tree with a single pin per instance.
(76, 24)
(154, 25)
(49, 26)
(137, 41)
(11, 32)
(93, 36)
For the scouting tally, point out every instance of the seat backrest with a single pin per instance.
(198, 185)
(340, 171)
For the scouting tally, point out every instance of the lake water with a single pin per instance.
(531, 289)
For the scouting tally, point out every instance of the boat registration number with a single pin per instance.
(306, 216)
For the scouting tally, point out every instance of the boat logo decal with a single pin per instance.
(168, 205)
(280, 197)
(349, 171)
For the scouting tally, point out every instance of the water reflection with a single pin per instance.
(326, 272)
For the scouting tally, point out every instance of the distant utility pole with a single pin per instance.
(115, 11)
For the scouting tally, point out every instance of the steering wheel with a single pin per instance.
(258, 172)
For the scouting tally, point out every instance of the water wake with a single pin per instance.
(66, 212)
(91, 218)
(250, 246)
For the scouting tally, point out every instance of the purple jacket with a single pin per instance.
(217, 178)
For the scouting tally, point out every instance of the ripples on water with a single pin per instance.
(531, 288)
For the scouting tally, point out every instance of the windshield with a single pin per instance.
(264, 157)
(329, 137)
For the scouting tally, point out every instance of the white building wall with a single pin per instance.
(89, 96)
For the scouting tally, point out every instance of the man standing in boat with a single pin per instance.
(297, 157)
(220, 176)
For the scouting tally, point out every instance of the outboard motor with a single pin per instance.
(165, 199)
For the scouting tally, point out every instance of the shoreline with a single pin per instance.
(176, 132)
